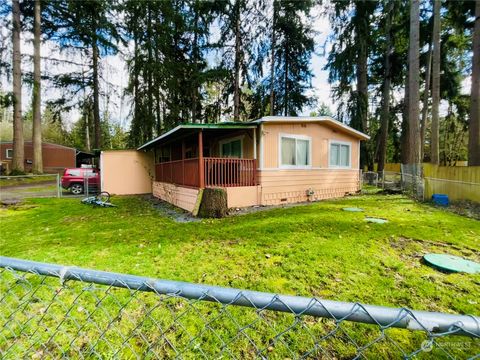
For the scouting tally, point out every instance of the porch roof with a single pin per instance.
(186, 129)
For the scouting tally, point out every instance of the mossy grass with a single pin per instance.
(315, 249)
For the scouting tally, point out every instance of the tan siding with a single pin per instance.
(243, 196)
(126, 172)
(321, 134)
(180, 196)
(289, 186)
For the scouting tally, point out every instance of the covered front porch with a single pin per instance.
(207, 155)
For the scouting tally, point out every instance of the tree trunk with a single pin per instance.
(362, 81)
(405, 149)
(434, 151)
(385, 117)
(474, 126)
(96, 93)
(87, 113)
(413, 134)
(18, 161)
(426, 93)
(236, 85)
(37, 116)
(272, 62)
(286, 81)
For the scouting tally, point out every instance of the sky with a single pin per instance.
(115, 72)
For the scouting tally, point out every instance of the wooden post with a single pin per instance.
(201, 177)
(254, 143)
(183, 161)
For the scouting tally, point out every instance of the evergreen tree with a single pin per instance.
(18, 161)
(37, 165)
(347, 65)
(89, 28)
(292, 51)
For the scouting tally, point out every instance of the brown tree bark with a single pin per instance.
(413, 134)
(37, 167)
(18, 161)
(426, 96)
(87, 115)
(385, 115)
(272, 62)
(238, 55)
(405, 149)
(286, 83)
(434, 141)
(474, 126)
(96, 96)
(361, 34)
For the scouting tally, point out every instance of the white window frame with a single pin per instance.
(232, 139)
(295, 137)
(6, 154)
(339, 142)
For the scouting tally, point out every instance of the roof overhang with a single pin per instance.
(189, 128)
(313, 119)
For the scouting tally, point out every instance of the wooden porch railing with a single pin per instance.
(218, 172)
(180, 172)
(229, 172)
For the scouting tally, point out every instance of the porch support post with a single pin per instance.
(255, 143)
(183, 161)
(261, 147)
(201, 172)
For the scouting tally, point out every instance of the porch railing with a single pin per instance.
(218, 172)
(180, 172)
(228, 172)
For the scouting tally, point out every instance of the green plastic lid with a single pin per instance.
(352, 209)
(452, 263)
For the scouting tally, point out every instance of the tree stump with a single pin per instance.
(214, 203)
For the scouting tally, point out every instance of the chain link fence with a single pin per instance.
(408, 181)
(17, 188)
(14, 188)
(50, 311)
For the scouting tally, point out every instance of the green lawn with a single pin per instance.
(27, 179)
(309, 250)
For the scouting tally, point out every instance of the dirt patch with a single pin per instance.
(258, 208)
(414, 249)
(469, 209)
(15, 205)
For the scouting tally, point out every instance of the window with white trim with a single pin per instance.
(340, 154)
(295, 151)
(9, 153)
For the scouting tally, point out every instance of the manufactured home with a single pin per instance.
(270, 161)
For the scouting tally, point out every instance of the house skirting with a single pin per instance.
(292, 186)
(183, 197)
(277, 187)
